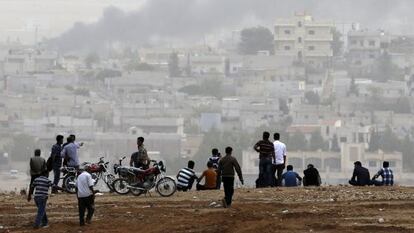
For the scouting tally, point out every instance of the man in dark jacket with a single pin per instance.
(311, 176)
(361, 176)
(226, 168)
(57, 161)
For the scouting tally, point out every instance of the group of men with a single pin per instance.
(220, 169)
(66, 154)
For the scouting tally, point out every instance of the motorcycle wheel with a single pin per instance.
(166, 187)
(109, 181)
(137, 192)
(121, 186)
(70, 184)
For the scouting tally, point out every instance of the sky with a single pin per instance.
(19, 17)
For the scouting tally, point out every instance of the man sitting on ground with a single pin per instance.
(386, 174)
(210, 176)
(311, 176)
(291, 178)
(361, 176)
(186, 177)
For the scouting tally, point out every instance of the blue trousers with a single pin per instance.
(266, 171)
(41, 218)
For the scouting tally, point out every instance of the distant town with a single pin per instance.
(336, 92)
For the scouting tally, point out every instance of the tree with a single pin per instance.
(255, 39)
(407, 150)
(91, 59)
(312, 98)
(336, 43)
(173, 68)
(316, 141)
(384, 69)
(389, 141)
(374, 141)
(283, 106)
(297, 142)
(16, 151)
(353, 88)
(334, 145)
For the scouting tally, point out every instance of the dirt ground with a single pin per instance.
(323, 209)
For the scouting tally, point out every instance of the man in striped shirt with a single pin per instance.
(40, 187)
(186, 177)
(266, 151)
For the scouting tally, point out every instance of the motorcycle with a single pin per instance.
(139, 181)
(97, 170)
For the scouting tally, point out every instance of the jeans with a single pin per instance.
(41, 218)
(228, 183)
(86, 203)
(265, 171)
(56, 173)
(277, 173)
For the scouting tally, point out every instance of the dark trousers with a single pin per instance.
(86, 203)
(277, 174)
(355, 183)
(41, 217)
(32, 178)
(203, 187)
(228, 183)
(218, 181)
(265, 172)
(56, 175)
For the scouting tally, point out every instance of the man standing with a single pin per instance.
(386, 174)
(57, 161)
(279, 161)
(41, 184)
(360, 177)
(226, 168)
(37, 166)
(292, 179)
(186, 177)
(140, 158)
(70, 152)
(86, 197)
(266, 152)
(214, 159)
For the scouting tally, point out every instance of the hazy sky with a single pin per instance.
(19, 17)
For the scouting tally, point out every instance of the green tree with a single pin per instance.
(389, 141)
(337, 43)
(335, 145)
(353, 88)
(297, 142)
(91, 59)
(255, 39)
(316, 141)
(312, 98)
(374, 141)
(407, 149)
(173, 67)
(384, 68)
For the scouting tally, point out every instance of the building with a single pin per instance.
(364, 48)
(304, 39)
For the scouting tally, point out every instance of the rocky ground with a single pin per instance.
(324, 209)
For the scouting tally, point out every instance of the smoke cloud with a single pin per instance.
(192, 19)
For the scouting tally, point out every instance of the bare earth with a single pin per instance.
(324, 209)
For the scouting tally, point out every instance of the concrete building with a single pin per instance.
(364, 47)
(304, 39)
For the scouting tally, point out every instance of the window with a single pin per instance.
(327, 130)
(342, 139)
(299, 24)
(393, 164)
(353, 42)
(300, 40)
(360, 137)
(371, 43)
(287, 47)
(372, 56)
(361, 42)
(372, 163)
(287, 32)
(311, 48)
(311, 32)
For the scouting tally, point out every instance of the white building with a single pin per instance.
(304, 39)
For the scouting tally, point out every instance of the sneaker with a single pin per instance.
(45, 226)
(88, 221)
(223, 201)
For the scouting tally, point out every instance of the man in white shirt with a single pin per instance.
(279, 161)
(86, 196)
